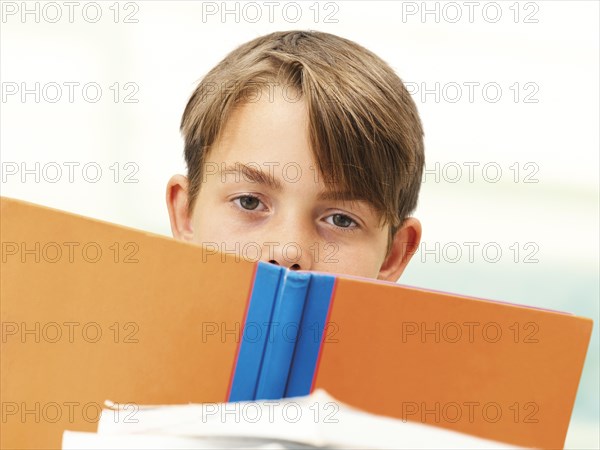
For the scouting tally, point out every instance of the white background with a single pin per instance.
(546, 125)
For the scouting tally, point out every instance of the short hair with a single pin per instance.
(364, 128)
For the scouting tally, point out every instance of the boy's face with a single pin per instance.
(262, 197)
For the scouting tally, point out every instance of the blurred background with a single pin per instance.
(92, 97)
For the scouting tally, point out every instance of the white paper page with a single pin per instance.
(316, 420)
(73, 440)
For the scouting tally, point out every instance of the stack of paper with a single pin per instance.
(313, 421)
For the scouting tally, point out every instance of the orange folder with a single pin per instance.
(94, 311)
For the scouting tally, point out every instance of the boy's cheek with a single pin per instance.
(208, 229)
(209, 224)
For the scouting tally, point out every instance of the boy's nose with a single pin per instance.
(291, 254)
(292, 267)
(290, 240)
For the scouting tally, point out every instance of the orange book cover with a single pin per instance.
(94, 311)
(496, 370)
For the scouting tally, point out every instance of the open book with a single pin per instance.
(92, 311)
(313, 421)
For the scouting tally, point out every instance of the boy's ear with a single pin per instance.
(177, 204)
(404, 245)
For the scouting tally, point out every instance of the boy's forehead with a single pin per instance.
(270, 135)
(267, 115)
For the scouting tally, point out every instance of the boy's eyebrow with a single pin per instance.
(259, 176)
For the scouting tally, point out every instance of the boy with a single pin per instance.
(303, 149)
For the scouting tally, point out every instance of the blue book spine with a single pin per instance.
(283, 335)
(255, 332)
(311, 335)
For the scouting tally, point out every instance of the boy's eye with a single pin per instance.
(248, 202)
(342, 221)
